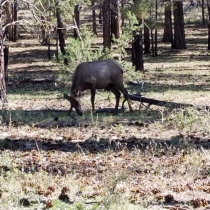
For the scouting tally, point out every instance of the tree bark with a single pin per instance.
(137, 52)
(208, 2)
(77, 19)
(44, 38)
(106, 24)
(2, 70)
(168, 33)
(156, 8)
(179, 33)
(100, 18)
(146, 40)
(6, 60)
(115, 19)
(122, 16)
(60, 32)
(9, 30)
(15, 32)
(203, 13)
(94, 18)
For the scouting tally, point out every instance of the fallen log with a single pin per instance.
(174, 105)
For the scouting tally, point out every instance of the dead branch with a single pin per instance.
(150, 101)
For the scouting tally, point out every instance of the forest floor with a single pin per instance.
(153, 158)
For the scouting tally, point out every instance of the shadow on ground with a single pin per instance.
(58, 118)
(102, 145)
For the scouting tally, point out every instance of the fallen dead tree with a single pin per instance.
(149, 101)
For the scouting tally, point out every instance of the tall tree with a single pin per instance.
(3, 95)
(9, 17)
(137, 51)
(94, 17)
(156, 8)
(141, 10)
(179, 32)
(208, 3)
(77, 19)
(15, 18)
(60, 28)
(146, 39)
(115, 19)
(203, 12)
(168, 33)
(106, 24)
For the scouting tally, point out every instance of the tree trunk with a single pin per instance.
(2, 71)
(6, 60)
(76, 16)
(179, 33)
(9, 30)
(94, 18)
(15, 32)
(44, 38)
(49, 35)
(152, 40)
(146, 40)
(137, 52)
(115, 19)
(3, 95)
(168, 33)
(208, 2)
(100, 18)
(106, 24)
(203, 13)
(60, 32)
(156, 8)
(122, 16)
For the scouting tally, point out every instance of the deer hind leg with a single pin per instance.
(126, 96)
(116, 92)
(93, 93)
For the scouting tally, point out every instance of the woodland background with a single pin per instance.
(154, 158)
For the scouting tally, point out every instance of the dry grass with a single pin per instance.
(154, 158)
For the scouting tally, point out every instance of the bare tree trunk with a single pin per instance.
(43, 31)
(48, 46)
(106, 24)
(179, 33)
(168, 33)
(6, 60)
(15, 32)
(203, 13)
(2, 71)
(156, 7)
(100, 16)
(122, 16)
(146, 40)
(115, 19)
(57, 46)
(137, 52)
(208, 2)
(60, 32)
(49, 36)
(152, 40)
(76, 16)
(8, 10)
(94, 18)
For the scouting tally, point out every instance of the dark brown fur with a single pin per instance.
(104, 74)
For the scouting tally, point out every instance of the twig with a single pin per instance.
(37, 146)
(80, 149)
